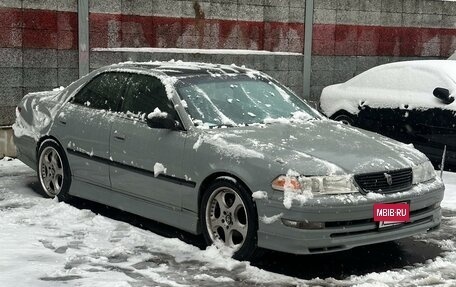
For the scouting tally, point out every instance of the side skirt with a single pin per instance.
(182, 219)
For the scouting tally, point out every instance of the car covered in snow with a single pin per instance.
(224, 151)
(411, 101)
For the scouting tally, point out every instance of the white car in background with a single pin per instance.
(411, 101)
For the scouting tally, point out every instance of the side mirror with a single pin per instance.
(443, 95)
(167, 122)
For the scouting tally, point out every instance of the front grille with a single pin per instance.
(378, 181)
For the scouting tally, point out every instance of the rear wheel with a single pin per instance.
(53, 170)
(229, 216)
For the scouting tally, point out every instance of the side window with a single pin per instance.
(103, 92)
(144, 94)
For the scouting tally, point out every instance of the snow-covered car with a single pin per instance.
(224, 151)
(411, 101)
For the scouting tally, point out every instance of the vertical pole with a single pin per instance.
(307, 62)
(83, 36)
(442, 164)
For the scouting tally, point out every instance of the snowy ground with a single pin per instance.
(47, 243)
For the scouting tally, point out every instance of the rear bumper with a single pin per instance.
(26, 150)
(348, 222)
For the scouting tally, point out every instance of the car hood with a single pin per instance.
(317, 147)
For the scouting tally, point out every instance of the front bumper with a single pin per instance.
(348, 220)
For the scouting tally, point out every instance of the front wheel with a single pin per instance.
(53, 170)
(345, 119)
(229, 216)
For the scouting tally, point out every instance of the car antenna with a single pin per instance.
(443, 161)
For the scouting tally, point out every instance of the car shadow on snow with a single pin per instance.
(339, 265)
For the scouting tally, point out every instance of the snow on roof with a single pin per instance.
(443, 67)
(181, 68)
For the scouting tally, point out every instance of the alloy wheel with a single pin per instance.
(226, 217)
(51, 171)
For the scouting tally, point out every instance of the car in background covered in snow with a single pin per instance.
(224, 151)
(411, 101)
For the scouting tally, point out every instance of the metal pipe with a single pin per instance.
(442, 164)
(83, 36)
(307, 59)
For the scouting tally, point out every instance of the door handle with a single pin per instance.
(62, 122)
(119, 137)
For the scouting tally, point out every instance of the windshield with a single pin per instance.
(239, 99)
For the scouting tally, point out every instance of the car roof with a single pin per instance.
(184, 69)
(443, 67)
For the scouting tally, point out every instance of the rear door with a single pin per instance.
(147, 162)
(85, 125)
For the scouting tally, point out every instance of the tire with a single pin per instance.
(345, 119)
(227, 208)
(53, 171)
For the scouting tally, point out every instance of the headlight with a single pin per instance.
(316, 184)
(423, 172)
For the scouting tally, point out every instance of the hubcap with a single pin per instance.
(226, 217)
(51, 171)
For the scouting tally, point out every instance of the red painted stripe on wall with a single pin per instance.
(328, 39)
(41, 29)
(107, 30)
(55, 29)
(354, 40)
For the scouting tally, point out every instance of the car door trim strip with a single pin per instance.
(165, 177)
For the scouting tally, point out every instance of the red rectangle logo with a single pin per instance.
(397, 212)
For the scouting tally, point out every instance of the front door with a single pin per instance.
(147, 162)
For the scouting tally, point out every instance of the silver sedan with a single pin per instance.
(224, 151)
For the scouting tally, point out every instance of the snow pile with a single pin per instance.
(272, 219)
(297, 117)
(157, 114)
(291, 194)
(35, 104)
(159, 169)
(206, 277)
(57, 244)
(198, 143)
(260, 194)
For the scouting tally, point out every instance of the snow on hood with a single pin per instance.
(318, 147)
(224, 147)
(405, 85)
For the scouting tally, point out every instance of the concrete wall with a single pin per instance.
(273, 25)
(38, 49)
(38, 39)
(7, 147)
